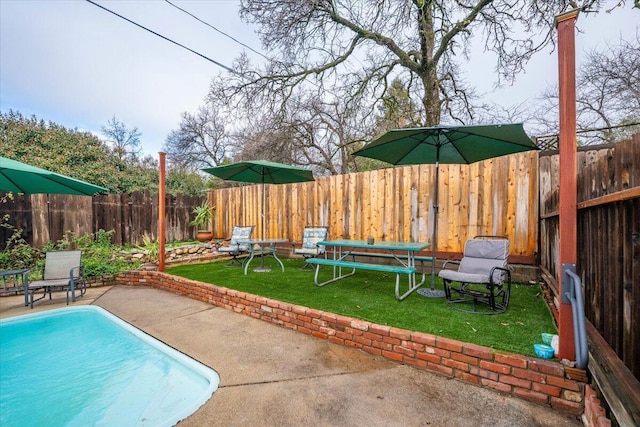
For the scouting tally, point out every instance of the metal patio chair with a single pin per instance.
(310, 237)
(62, 272)
(238, 243)
(483, 276)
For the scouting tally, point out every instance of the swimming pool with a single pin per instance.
(83, 366)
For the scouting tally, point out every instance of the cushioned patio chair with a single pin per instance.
(483, 276)
(62, 272)
(238, 244)
(310, 238)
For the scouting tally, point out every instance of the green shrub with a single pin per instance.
(152, 247)
(99, 256)
(17, 253)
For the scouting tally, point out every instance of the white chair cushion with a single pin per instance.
(464, 277)
(487, 248)
(307, 251)
(480, 256)
(234, 248)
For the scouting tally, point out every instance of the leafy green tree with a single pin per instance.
(50, 146)
(181, 181)
(397, 109)
(74, 153)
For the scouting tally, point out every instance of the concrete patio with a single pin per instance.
(275, 376)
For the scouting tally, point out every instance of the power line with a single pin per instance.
(163, 37)
(219, 31)
(191, 50)
(242, 44)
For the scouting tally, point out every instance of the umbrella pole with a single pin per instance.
(262, 268)
(262, 232)
(263, 220)
(433, 292)
(434, 240)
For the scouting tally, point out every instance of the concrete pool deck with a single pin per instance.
(271, 375)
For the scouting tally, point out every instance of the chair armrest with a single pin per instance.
(450, 261)
(506, 270)
(80, 272)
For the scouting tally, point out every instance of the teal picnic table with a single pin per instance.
(345, 253)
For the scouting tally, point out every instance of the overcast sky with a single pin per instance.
(72, 63)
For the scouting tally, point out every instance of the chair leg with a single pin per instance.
(306, 265)
(234, 260)
(32, 293)
(447, 290)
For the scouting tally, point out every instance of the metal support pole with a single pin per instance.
(161, 211)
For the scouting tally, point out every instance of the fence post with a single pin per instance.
(161, 211)
(565, 25)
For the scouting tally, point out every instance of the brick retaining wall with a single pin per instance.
(529, 378)
(594, 413)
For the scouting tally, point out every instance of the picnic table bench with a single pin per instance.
(405, 266)
(417, 259)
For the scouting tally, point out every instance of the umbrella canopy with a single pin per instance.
(18, 177)
(449, 145)
(262, 172)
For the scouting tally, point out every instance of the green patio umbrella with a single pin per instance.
(447, 145)
(18, 177)
(261, 172)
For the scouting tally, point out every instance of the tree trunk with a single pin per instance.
(428, 69)
(431, 99)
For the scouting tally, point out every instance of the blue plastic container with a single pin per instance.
(543, 351)
(546, 338)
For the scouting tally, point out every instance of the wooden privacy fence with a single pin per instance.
(608, 240)
(132, 216)
(46, 218)
(497, 196)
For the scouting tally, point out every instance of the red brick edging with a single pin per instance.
(594, 413)
(525, 377)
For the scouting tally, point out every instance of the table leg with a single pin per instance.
(246, 265)
(275, 255)
(411, 277)
(25, 285)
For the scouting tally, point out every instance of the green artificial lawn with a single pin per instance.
(370, 296)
